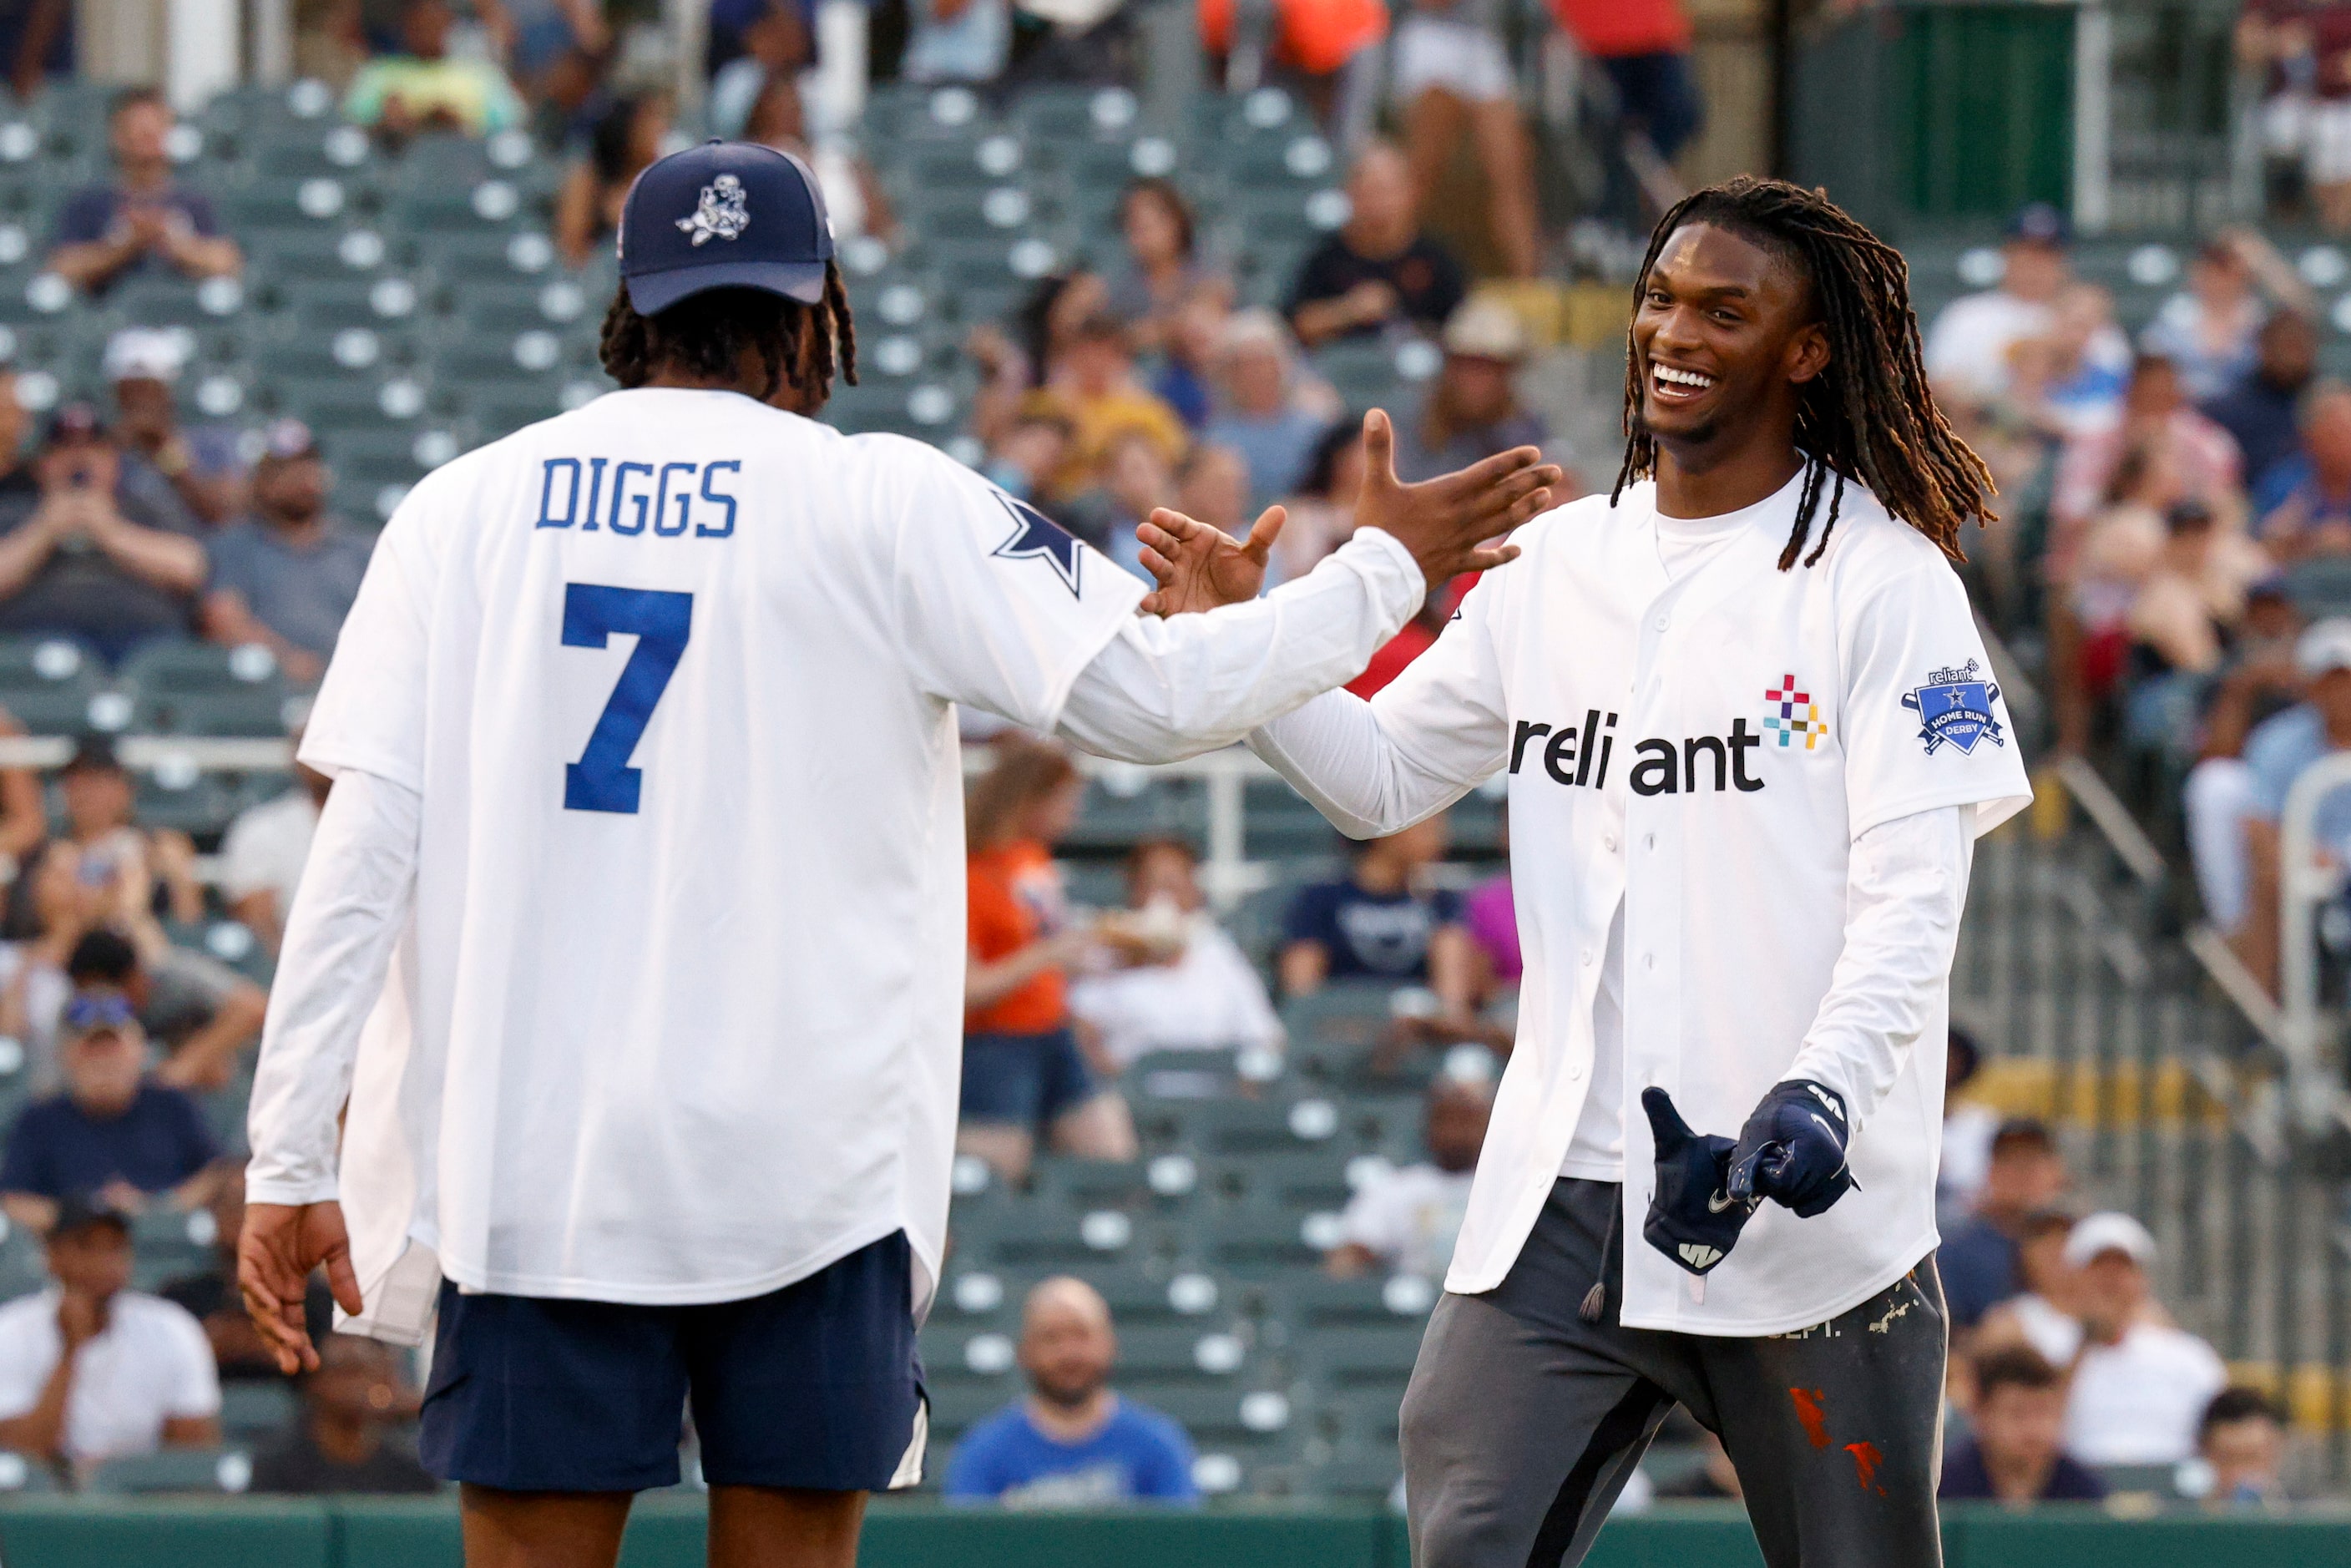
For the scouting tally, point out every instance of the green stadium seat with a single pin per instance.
(199, 688)
(218, 1470)
(1260, 1421)
(1256, 1245)
(164, 1247)
(255, 1411)
(198, 804)
(1358, 1473)
(1036, 1238)
(1245, 1126)
(1309, 1305)
(47, 684)
(1362, 1355)
(21, 1476)
(1180, 1353)
(1138, 1186)
(1307, 1181)
(957, 1406)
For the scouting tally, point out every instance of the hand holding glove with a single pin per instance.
(1693, 1219)
(1793, 1149)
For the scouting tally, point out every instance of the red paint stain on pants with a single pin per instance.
(1866, 1461)
(1810, 1412)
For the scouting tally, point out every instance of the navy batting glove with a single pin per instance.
(1793, 1149)
(1692, 1219)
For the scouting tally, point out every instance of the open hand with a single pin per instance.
(281, 1244)
(1444, 522)
(1200, 567)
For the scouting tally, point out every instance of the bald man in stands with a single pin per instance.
(1073, 1440)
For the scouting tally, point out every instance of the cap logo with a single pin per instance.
(720, 213)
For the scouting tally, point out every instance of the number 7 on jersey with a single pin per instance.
(603, 781)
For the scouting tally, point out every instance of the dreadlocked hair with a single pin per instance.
(1869, 416)
(705, 335)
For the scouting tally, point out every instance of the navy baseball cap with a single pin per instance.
(2038, 223)
(725, 215)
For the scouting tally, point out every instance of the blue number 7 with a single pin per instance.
(603, 781)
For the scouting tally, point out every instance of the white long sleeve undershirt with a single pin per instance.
(1158, 692)
(1906, 883)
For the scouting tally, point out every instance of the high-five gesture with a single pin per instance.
(1444, 522)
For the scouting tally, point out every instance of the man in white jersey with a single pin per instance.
(632, 939)
(1749, 738)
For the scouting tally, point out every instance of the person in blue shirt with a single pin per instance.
(2276, 753)
(115, 1133)
(1074, 1440)
(1378, 922)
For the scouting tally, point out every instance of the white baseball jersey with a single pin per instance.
(1701, 752)
(678, 1016)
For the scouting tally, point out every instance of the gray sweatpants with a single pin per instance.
(1523, 1422)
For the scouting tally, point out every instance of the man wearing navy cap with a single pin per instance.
(1968, 347)
(626, 700)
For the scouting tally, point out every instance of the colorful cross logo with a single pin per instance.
(1798, 715)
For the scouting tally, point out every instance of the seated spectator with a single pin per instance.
(2302, 507)
(2241, 1437)
(1135, 477)
(1192, 988)
(1074, 1441)
(1092, 384)
(91, 1370)
(36, 43)
(2260, 680)
(142, 866)
(341, 1446)
(1471, 411)
(143, 219)
(50, 909)
(2209, 328)
(2156, 419)
(1213, 485)
(628, 136)
(263, 856)
(777, 46)
(115, 1132)
(1026, 456)
(2140, 1385)
(1379, 270)
(1017, 359)
(202, 466)
(2275, 754)
(2017, 1454)
(1968, 347)
(2041, 1312)
(956, 40)
(854, 201)
(1024, 1075)
(1379, 923)
(1261, 410)
(1323, 508)
(1451, 76)
(88, 550)
(424, 88)
(2259, 411)
(1161, 267)
(1969, 1128)
(2182, 620)
(202, 1011)
(1978, 1261)
(1491, 918)
(285, 576)
(1406, 1221)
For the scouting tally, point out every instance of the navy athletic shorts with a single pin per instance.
(815, 1386)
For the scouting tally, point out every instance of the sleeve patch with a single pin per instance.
(1955, 707)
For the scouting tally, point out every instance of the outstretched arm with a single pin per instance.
(348, 915)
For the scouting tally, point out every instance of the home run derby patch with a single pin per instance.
(1954, 705)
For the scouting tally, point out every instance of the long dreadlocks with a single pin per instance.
(1869, 416)
(705, 334)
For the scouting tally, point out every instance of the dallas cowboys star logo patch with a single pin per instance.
(1040, 536)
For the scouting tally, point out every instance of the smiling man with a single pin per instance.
(1749, 739)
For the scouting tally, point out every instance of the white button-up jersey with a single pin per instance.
(1704, 750)
(677, 1016)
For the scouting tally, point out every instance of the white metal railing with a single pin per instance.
(2309, 875)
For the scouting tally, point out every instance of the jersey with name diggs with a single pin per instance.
(1704, 750)
(679, 1015)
